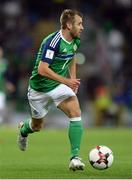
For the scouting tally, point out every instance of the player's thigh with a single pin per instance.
(70, 107)
(39, 103)
(60, 93)
(66, 100)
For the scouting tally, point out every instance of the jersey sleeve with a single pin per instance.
(50, 47)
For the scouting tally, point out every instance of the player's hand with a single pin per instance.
(73, 83)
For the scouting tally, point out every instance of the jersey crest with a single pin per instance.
(75, 47)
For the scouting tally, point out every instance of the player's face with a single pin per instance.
(77, 27)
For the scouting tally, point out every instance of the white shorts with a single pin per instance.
(2, 100)
(41, 102)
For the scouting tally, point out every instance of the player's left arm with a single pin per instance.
(72, 71)
(72, 68)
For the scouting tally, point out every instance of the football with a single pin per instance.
(101, 157)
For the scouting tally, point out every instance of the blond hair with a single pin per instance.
(68, 15)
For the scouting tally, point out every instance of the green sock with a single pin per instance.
(75, 136)
(25, 130)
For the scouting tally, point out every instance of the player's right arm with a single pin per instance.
(49, 48)
(44, 70)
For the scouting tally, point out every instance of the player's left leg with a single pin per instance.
(71, 108)
(66, 100)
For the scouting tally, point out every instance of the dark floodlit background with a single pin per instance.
(104, 58)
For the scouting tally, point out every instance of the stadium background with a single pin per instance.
(104, 58)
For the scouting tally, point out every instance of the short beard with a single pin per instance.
(73, 35)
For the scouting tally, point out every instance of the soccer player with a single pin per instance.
(50, 84)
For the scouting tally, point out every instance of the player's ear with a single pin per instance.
(69, 26)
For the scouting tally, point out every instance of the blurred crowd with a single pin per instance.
(104, 58)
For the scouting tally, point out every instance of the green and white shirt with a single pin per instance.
(58, 53)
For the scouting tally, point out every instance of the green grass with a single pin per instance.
(48, 155)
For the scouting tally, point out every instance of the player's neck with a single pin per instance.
(66, 35)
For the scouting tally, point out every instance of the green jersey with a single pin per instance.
(3, 67)
(58, 53)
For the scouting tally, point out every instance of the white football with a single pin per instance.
(101, 157)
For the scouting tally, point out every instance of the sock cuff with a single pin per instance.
(75, 119)
(30, 124)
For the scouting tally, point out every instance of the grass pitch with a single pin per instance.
(48, 154)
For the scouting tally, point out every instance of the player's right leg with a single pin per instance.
(38, 104)
(25, 128)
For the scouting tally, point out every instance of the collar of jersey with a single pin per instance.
(64, 38)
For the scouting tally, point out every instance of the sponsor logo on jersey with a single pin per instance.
(64, 50)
